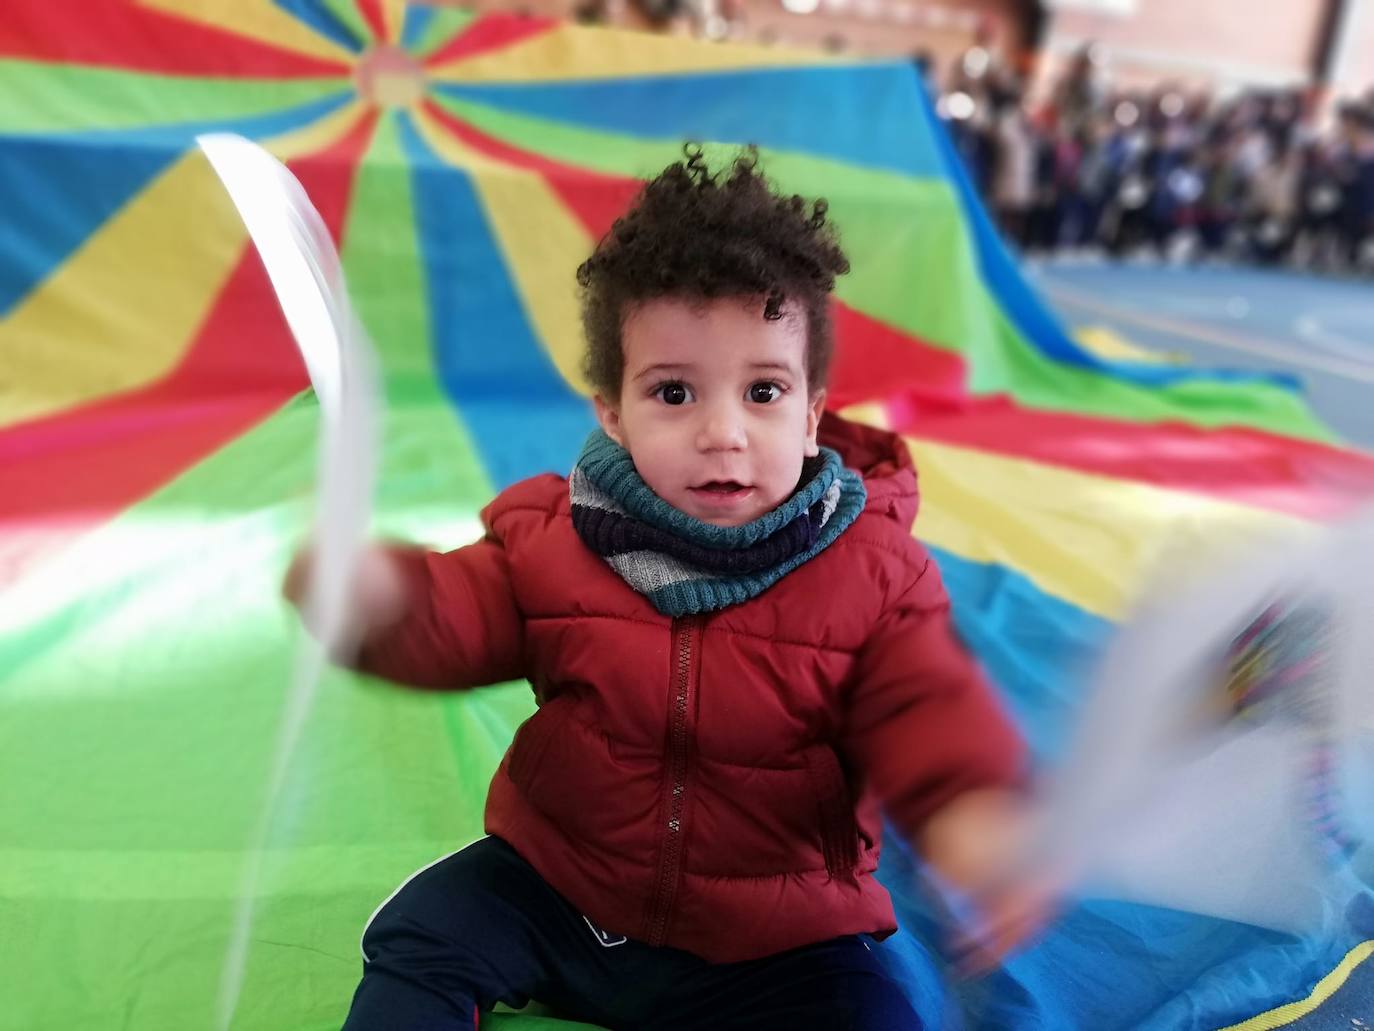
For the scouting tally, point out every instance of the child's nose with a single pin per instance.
(721, 430)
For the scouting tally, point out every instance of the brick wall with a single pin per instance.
(1197, 42)
(1194, 43)
(891, 28)
(886, 28)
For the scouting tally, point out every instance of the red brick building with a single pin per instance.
(1202, 44)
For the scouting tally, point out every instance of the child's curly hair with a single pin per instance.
(696, 234)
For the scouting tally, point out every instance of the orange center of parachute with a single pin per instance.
(389, 77)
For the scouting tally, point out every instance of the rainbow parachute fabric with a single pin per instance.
(157, 445)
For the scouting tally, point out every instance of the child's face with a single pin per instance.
(714, 406)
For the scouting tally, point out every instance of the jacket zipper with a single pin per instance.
(679, 741)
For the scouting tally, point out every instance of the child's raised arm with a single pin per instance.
(921, 721)
(935, 743)
(430, 619)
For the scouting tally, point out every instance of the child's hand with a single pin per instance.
(1002, 919)
(975, 847)
(377, 595)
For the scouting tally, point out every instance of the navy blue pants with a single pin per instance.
(482, 927)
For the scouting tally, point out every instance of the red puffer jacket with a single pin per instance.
(712, 783)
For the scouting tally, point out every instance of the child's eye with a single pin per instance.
(673, 393)
(762, 393)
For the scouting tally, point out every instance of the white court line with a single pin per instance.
(1351, 370)
(1312, 328)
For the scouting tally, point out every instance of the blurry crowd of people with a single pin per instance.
(1183, 177)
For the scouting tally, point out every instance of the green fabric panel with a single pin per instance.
(612, 153)
(1008, 364)
(70, 98)
(136, 742)
(383, 266)
(446, 23)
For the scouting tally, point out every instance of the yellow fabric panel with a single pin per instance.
(542, 241)
(318, 135)
(1326, 987)
(120, 312)
(394, 17)
(260, 20)
(1088, 539)
(1108, 344)
(575, 52)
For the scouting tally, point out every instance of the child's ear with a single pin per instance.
(608, 415)
(814, 410)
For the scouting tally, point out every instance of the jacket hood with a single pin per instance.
(884, 461)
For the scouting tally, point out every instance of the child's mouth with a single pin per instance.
(721, 491)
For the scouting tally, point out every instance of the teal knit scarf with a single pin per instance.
(685, 566)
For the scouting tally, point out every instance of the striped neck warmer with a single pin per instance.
(684, 566)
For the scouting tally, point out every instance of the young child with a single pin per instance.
(740, 654)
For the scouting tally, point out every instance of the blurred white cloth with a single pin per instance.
(1225, 762)
(303, 267)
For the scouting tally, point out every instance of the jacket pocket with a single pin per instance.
(835, 811)
(532, 742)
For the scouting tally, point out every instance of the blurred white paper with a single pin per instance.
(1223, 764)
(306, 275)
